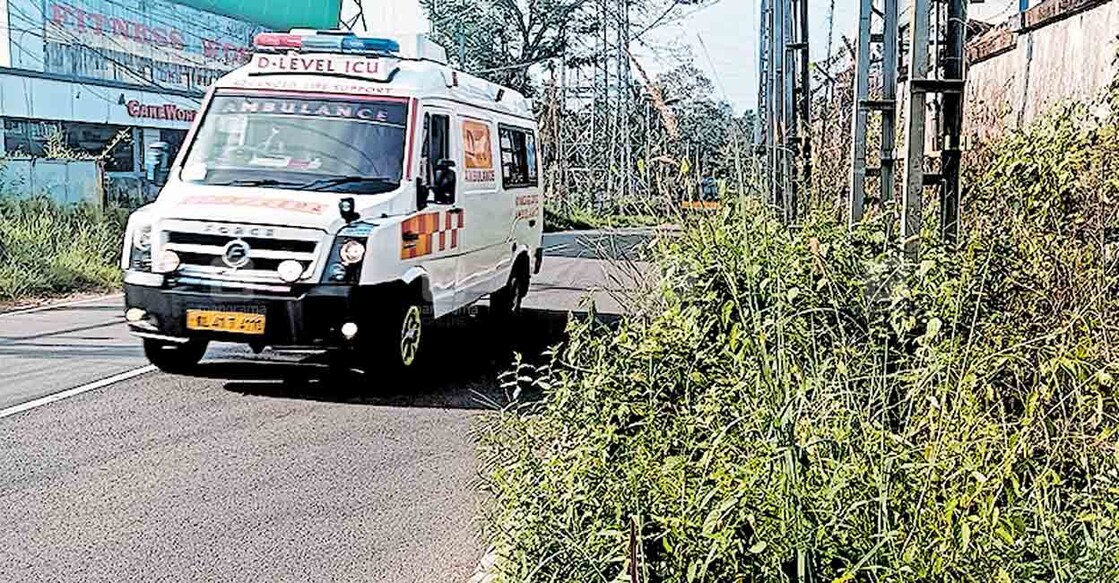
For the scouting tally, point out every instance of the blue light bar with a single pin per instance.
(357, 44)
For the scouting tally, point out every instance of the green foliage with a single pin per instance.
(799, 402)
(47, 249)
(502, 39)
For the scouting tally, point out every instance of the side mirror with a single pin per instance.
(445, 181)
(157, 163)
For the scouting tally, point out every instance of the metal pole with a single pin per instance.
(915, 136)
(779, 102)
(857, 183)
(889, 93)
(765, 85)
(953, 120)
(805, 113)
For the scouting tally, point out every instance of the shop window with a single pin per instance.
(174, 140)
(518, 158)
(97, 140)
(44, 139)
(24, 137)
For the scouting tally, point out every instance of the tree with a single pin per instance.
(502, 39)
(713, 137)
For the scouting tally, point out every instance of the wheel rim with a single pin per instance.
(410, 333)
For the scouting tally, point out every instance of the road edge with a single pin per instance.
(57, 305)
(55, 397)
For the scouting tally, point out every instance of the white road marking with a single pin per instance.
(75, 391)
(48, 307)
(555, 247)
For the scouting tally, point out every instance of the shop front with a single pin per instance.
(105, 78)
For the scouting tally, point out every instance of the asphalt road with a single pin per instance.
(263, 468)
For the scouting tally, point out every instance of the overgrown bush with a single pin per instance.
(802, 405)
(47, 249)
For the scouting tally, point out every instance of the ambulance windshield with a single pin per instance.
(353, 146)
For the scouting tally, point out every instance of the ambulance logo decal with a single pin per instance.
(430, 232)
(478, 151)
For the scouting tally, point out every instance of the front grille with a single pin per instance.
(254, 242)
(201, 252)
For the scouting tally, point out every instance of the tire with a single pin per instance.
(505, 303)
(175, 358)
(400, 341)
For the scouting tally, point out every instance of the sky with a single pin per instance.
(728, 29)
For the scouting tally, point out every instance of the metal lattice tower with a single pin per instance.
(936, 68)
(784, 100)
(877, 44)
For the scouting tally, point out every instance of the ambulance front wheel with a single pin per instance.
(401, 340)
(175, 358)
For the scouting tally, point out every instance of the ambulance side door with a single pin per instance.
(485, 233)
(426, 237)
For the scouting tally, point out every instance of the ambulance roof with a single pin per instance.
(416, 73)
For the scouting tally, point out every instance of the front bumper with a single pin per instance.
(311, 317)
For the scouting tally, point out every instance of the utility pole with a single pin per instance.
(625, 103)
(784, 101)
(913, 193)
(885, 105)
(763, 133)
(802, 91)
(952, 118)
(948, 79)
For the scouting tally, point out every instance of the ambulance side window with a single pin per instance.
(436, 144)
(518, 158)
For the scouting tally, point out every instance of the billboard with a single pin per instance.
(276, 15)
(155, 43)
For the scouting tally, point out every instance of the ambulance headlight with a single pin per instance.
(142, 238)
(139, 256)
(352, 252)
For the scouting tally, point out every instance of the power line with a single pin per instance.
(136, 74)
(41, 63)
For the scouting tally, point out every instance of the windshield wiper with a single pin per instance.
(258, 182)
(326, 183)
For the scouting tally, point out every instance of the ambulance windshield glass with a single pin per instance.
(327, 145)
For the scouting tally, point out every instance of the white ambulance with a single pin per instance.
(337, 193)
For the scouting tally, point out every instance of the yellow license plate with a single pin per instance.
(235, 322)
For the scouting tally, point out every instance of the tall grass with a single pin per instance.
(48, 249)
(800, 405)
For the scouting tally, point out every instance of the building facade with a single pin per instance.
(108, 77)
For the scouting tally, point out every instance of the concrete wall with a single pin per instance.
(67, 182)
(1073, 58)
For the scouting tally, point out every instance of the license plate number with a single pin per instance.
(235, 322)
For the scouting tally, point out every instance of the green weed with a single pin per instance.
(48, 249)
(800, 405)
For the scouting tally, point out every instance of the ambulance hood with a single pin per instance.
(264, 206)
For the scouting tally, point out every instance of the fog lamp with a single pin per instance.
(168, 262)
(290, 270)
